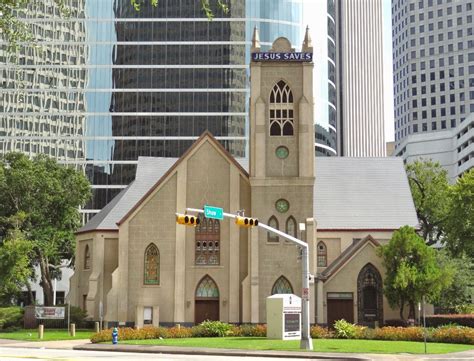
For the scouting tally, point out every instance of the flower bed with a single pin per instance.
(445, 334)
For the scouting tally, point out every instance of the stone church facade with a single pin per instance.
(136, 266)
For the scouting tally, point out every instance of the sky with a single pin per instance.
(312, 17)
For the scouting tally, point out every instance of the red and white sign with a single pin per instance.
(305, 294)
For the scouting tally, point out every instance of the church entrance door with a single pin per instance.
(206, 305)
(340, 306)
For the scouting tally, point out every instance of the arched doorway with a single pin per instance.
(370, 297)
(206, 306)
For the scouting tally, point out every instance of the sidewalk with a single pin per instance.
(60, 345)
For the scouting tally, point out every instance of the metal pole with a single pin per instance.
(69, 317)
(306, 342)
(424, 322)
(54, 291)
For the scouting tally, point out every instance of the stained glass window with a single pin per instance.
(281, 110)
(87, 258)
(322, 255)
(152, 265)
(282, 285)
(207, 288)
(291, 226)
(272, 222)
(208, 234)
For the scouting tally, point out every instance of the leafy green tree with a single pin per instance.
(412, 271)
(459, 223)
(49, 195)
(15, 265)
(430, 190)
(14, 30)
(461, 289)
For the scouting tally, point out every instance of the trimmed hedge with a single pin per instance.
(441, 320)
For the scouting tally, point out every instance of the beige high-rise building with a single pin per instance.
(359, 59)
(144, 268)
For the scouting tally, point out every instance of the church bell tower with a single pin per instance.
(281, 165)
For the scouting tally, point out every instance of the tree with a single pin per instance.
(411, 271)
(49, 195)
(14, 30)
(459, 223)
(461, 289)
(429, 188)
(15, 266)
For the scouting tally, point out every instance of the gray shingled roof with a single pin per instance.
(149, 171)
(362, 193)
(350, 193)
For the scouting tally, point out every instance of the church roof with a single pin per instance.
(349, 194)
(362, 193)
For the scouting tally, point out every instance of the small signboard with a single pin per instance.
(50, 313)
(213, 212)
(290, 56)
(305, 294)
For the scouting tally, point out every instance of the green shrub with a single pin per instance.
(453, 334)
(78, 316)
(128, 333)
(465, 309)
(441, 320)
(345, 329)
(11, 317)
(214, 329)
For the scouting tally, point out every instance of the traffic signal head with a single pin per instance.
(246, 221)
(187, 220)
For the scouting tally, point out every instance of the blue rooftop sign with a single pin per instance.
(292, 56)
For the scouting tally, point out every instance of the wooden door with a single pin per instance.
(206, 310)
(340, 309)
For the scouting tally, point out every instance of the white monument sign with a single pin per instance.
(284, 317)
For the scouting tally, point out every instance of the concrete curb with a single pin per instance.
(215, 352)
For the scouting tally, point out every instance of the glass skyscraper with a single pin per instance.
(109, 84)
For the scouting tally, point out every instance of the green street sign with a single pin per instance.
(213, 212)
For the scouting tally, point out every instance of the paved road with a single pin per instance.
(27, 354)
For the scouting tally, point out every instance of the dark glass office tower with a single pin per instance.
(151, 81)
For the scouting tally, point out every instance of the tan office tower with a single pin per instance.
(360, 104)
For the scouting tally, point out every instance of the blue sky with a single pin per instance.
(314, 16)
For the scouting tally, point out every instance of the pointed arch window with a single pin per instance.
(152, 265)
(282, 285)
(291, 226)
(322, 254)
(272, 222)
(281, 110)
(207, 240)
(87, 258)
(207, 289)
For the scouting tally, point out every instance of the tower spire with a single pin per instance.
(255, 40)
(307, 42)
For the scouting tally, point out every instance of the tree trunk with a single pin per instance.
(45, 282)
(411, 313)
(31, 299)
(402, 306)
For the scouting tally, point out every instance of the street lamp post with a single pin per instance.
(306, 342)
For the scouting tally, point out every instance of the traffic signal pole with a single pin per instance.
(306, 342)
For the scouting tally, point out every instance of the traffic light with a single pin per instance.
(187, 220)
(246, 221)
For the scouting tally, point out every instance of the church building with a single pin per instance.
(136, 266)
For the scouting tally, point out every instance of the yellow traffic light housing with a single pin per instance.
(187, 220)
(246, 221)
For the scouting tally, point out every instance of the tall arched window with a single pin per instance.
(282, 285)
(322, 255)
(272, 222)
(208, 235)
(281, 110)
(152, 265)
(207, 288)
(87, 258)
(291, 226)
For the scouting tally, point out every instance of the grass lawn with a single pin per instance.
(49, 335)
(320, 345)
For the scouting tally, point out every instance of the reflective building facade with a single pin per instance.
(144, 83)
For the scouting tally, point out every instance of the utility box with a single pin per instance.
(284, 317)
